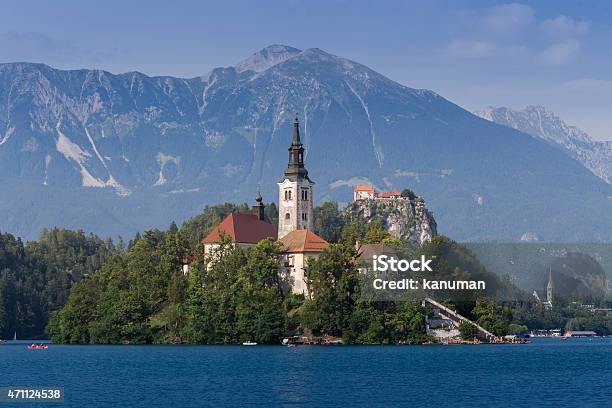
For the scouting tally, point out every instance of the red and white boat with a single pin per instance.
(39, 346)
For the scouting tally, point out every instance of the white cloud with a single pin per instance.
(564, 27)
(589, 86)
(37, 47)
(512, 31)
(494, 32)
(470, 49)
(559, 53)
(508, 18)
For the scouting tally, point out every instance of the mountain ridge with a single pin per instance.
(544, 124)
(118, 153)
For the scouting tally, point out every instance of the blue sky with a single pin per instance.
(475, 53)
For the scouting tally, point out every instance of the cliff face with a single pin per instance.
(403, 218)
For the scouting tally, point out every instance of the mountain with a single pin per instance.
(115, 154)
(541, 123)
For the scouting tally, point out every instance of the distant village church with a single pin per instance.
(295, 190)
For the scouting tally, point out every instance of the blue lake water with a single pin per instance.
(546, 373)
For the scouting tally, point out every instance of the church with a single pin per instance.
(295, 233)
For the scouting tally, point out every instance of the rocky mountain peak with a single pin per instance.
(266, 58)
(541, 123)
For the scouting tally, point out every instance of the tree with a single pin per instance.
(71, 323)
(492, 317)
(468, 331)
(408, 193)
(328, 221)
(375, 235)
(332, 280)
(407, 322)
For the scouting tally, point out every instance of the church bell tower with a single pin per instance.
(295, 191)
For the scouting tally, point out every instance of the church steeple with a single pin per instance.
(296, 132)
(295, 168)
(295, 190)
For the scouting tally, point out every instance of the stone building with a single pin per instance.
(298, 247)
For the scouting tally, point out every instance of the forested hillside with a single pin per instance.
(97, 291)
(36, 278)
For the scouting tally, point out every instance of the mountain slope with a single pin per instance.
(119, 153)
(541, 123)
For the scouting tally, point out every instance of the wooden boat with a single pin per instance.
(38, 347)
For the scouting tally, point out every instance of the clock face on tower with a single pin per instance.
(295, 191)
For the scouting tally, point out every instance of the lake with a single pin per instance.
(546, 373)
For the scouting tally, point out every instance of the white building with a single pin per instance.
(298, 247)
(295, 191)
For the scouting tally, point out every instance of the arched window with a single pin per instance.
(287, 216)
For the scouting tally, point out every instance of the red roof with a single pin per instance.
(303, 241)
(368, 189)
(389, 194)
(242, 229)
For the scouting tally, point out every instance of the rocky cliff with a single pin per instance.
(403, 218)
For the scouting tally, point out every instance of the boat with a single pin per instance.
(288, 343)
(38, 346)
(249, 343)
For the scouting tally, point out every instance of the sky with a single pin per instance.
(554, 53)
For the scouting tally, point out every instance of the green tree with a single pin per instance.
(328, 221)
(332, 280)
(408, 193)
(468, 331)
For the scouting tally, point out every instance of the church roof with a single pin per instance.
(303, 241)
(389, 194)
(368, 189)
(365, 252)
(242, 229)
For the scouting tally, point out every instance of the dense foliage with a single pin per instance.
(36, 278)
(99, 292)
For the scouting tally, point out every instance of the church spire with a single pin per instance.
(295, 168)
(296, 132)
